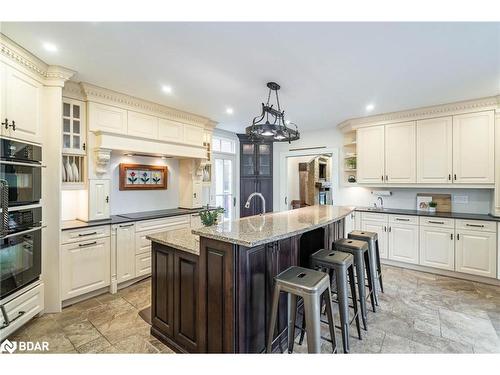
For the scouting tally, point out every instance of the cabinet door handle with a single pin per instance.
(386, 177)
(6, 124)
(451, 236)
(107, 198)
(286, 200)
(398, 219)
(126, 225)
(390, 228)
(87, 244)
(458, 236)
(385, 228)
(83, 146)
(475, 225)
(86, 234)
(449, 177)
(382, 177)
(455, 176)
(435, 222)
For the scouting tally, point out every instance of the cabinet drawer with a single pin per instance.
(437, 222)
(374, 216)
(162, 223)
(75, 235)
(480, 225)
(403, 219)
(29, 304)
(143, 245)
(143, 264)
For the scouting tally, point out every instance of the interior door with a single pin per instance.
(224, 184)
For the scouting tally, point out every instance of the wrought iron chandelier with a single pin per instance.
(270, 125)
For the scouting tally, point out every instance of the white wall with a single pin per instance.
(479, 200)
(127, 201)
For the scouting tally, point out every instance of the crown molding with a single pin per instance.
(474, 105)
(51, 75)
(105, 96)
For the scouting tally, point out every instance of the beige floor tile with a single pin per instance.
(95, 346)
(81, 333)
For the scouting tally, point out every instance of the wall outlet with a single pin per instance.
(461, 199)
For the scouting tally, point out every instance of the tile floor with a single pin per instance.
(418, 313)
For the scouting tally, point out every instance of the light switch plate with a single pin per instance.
(462, 199)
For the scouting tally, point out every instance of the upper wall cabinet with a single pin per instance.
(169, 130)
(370, 149)
(74, 127)
(193, 135)
(434, 150)
(474, 148)
(107, 118)
(20, 105)
(400, 153)
(141, 125)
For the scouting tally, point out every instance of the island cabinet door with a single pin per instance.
(162, 307)
(186, 301)
(281, 255)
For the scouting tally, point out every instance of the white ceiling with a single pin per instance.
(329, 72)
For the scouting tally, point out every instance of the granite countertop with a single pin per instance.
(256, 230)
(449, 215)
(181, 239)
(127, 218)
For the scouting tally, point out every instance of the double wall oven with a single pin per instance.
(21, 215)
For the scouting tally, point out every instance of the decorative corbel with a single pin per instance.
(102, 159)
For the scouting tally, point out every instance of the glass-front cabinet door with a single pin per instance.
(247, 159)
(74, 131)
(264, 158)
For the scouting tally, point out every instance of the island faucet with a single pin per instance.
(247, 205)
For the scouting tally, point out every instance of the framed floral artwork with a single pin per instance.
(142, 177)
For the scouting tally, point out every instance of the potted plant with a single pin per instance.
(432, 206)
(209, 217)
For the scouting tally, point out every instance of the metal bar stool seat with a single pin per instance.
(312, 286)
(341, 265)
(359, 250)
(372, 239)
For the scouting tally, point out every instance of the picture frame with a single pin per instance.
(143, 177)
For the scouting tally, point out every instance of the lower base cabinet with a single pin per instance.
(381, 229)
(85, 266)
(403, 243)
(174, 313)
(476, 252)
(125, 254)
(437, 247)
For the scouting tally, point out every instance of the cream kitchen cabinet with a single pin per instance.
(403, 239)
(435, 150)
(476, 248)
(142, 125)
(370, 154)
(107, 118)
(378, 223)
(473, 148)
(400, 154)
(85, 266)
(193, 135)
(171, 131)
(74, 127)
(125, 252)
(437, 247)
(98, 199)
(20, 106)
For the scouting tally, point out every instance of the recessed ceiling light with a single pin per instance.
(51, 47)
(166, 89)
(370, 107)
(229, 111)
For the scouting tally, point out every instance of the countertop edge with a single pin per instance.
(448, 215)
(270, 239)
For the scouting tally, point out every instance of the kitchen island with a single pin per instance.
(212, 288)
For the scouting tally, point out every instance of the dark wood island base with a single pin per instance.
(219, 301)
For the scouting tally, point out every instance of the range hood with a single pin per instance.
(134, 145)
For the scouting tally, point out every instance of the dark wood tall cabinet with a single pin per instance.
(256, 174)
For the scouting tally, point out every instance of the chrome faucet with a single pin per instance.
(247, 205)
(379, 199)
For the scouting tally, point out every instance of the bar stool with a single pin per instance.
(359, 251)
(341, 265)
(372, 239)
(312, 286)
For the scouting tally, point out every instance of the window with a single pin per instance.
(224, 145)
